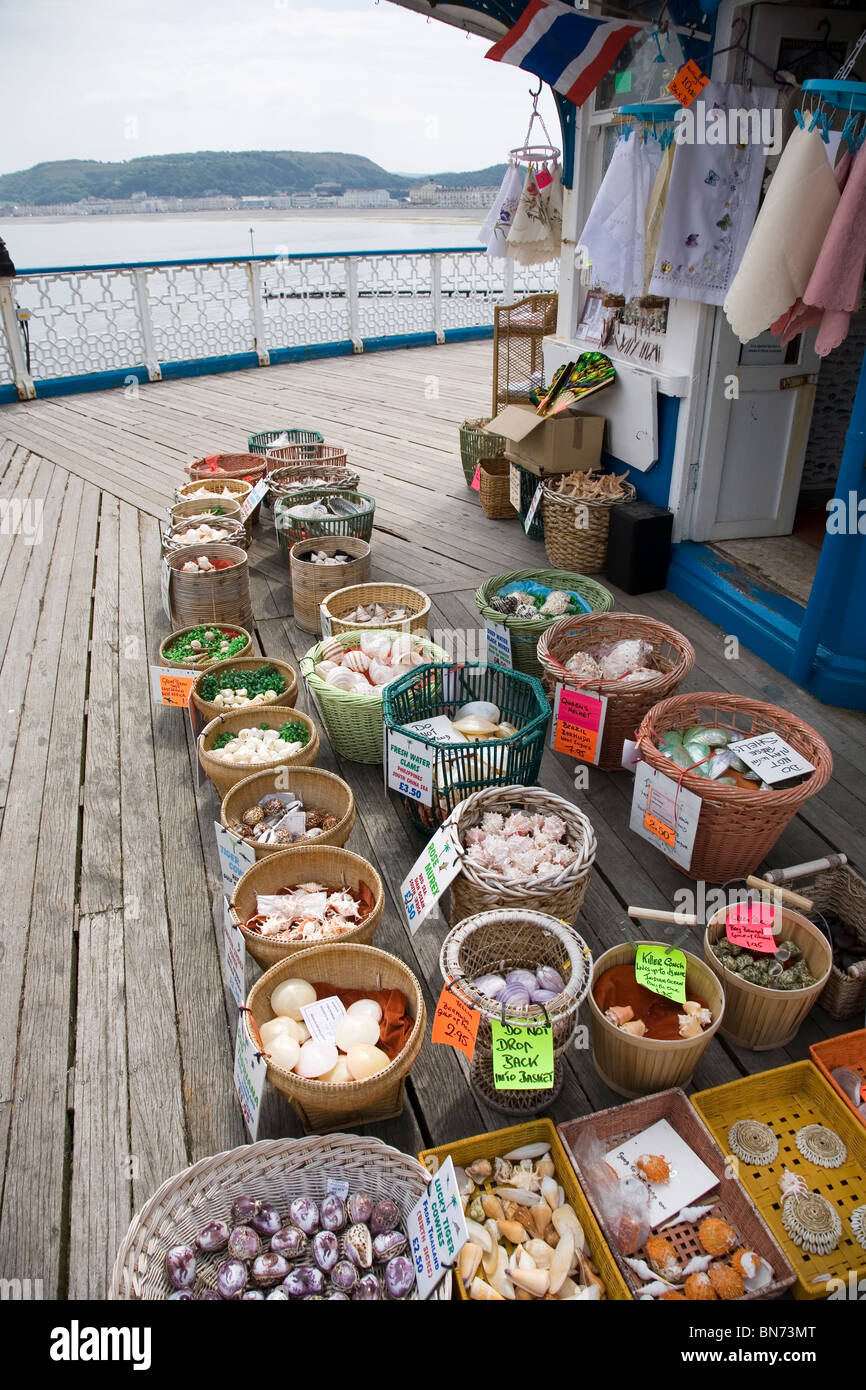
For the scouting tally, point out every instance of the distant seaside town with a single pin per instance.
(428, 194)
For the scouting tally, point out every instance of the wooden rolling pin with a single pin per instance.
(656, 914)
(784, 895)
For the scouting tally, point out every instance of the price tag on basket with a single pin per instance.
(522, 1056)
(433, 870)
(476, 479)
(771, 757)
(236, 856)
(234, 955)
(253, 498)
(171, 685)
(533, 508)
(514, 486)
(665, 814)
(250, 1072)
(661, 969)
(409, 767)
(455, 1023)
(498, 644)
(578, 723)
(751, 925)
(165, 588)
(437, 1230)
(325, 620)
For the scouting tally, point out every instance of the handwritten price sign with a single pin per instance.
(663, 970)
(688, 83)
(522, 1056)
(751, 925)
(455, 1023)
(578, 721)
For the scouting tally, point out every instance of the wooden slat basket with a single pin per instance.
(218, 596)
(225, 775)
(312, 583)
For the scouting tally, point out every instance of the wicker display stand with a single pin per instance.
(225, 775)
(323, 1106)
(290, 529)
(232, 529)
(273, 1170)
(312, 583)
(287, 698)
(737, 828)
(216, 596)
(576, 528)
(495, 478)
(330, 865)
(627, 703)
(343, 601)
(264, 440)
(300, 477)
(476, 890)
(476, 444)
(205, 662)
(836, 890)
(525, 632)
(510, 939)
(317, 789)
(518, 358)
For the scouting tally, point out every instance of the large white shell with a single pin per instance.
(356, 661)
(485, 709)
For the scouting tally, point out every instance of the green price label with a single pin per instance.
(663, 970)
(522, 1056)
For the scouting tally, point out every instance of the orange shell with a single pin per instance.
(737, 1261)
(628, 1234)
(655, 1167)
(672, 1297)
(698, 1288)
(717, 1237)
(660, 1253)
(726, 1281)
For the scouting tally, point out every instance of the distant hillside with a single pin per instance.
(211, 172)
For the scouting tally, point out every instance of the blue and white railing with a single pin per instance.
(76, 328)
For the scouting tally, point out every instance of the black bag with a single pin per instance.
(7, 269)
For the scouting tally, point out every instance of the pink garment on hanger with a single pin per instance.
(836, 283)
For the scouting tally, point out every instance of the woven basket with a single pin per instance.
(232, 529)
(219, 596)
(346, 600)
(627, 704)
(848, 1050)
(290, 529)
(312, 583)
(841, 891)
(762, 1019)
(249, 467)
(525, 632)
(737, 828)
(621, 1123)
(511, 939)
(205, 663)
(354, 722)
(319, 454)
(264, 440)
(576, 529)
(476, 890)
(317, 789)
(458, 769)
(287, 698)
(476, 445)
(328, 864)
(495, 478)
(198, 507)
(200, 488)
(273, 1170)
(634, 1066)
(300, 477)
(323, 1106)
(224, 775)
(499, 1142)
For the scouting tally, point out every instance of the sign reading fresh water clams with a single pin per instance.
(250, 1071)
(430, 875)
(437, 1229)
(409, 767)
(661, 969)
(522, 1056)
(771, 757)
(234, 955)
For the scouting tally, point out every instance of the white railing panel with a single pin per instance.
(395, 294)
(81, 321)
(304, 301)
(200, 310)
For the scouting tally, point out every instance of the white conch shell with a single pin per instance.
(687, 1214)
(479, 1235)
(653, 1290)
(762, 1276)
(480, 1292)
(697, 1265)
(356, 661)
(643, 1271)
(562, 1261)
(528, 1150)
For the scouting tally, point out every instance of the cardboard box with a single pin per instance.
(564, 444)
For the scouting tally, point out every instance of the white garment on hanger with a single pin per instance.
(497, 223)
(536, 231)
(613, 235)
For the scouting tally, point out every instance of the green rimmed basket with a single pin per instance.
(475, 444)
(264, 440)
(354, 722)
(289, 529)
(525, 632)
(459, 769)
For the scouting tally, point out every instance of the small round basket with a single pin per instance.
(354, 722)
(330, 865)
(301, 477)
(576, 528)
(203, 662)
(759, 1018)
(461, 768)
(475, 444)
(249, 467)
(634, 1066)
(226, 775)
(673, 654)
(511, 939)
(525, 632)
(267, 439)
(736, 828)
(318, 454)
(231, 528)
(323, 1106)
(211, 487)
(286, 697)
(290, 529)
(272, 1170)
(317, 789)
(216, 596)
(311, 583)
(477, 890)
(338, 605)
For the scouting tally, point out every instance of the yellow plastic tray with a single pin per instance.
(502, 1141)
(788, 1098)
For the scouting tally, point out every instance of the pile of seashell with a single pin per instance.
(523, 603)
(310, 912)
(627, 661)
(250, 746)
(280, 819)
(321, 557)
(525, 1241)
(352, 1056)
(379, 659)
(723, 1269)
(520, 988)
(375, 613)
(202, 564)
(334, 1251)
(203, 534)
(519, 847)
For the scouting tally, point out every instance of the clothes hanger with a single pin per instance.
(738, 46)
(528, 153)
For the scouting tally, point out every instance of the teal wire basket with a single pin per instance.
(290, 529)
(459, 769)
(261, 442)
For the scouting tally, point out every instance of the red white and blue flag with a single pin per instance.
(570, 51)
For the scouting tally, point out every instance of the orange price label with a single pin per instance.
(659, 829)
(455, 1023)
(171, 686)
(688, 83)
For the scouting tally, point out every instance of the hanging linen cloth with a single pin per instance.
(655, 213)
(613, 236)
(712, 199)
(787, 237)
(497, 223)
(536, 230)
(836, 283)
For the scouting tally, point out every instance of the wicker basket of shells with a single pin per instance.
(266, 809)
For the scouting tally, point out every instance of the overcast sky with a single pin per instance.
(114, 79)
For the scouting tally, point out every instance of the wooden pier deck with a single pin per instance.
(116, 1029)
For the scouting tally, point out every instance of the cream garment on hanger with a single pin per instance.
(614, 231)
(536, 232)
(655, 212)
(786, 238)
(497, 224)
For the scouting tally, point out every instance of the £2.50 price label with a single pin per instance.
(455, 1023)
(664, 813)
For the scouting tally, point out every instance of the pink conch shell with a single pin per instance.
(357, 661)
